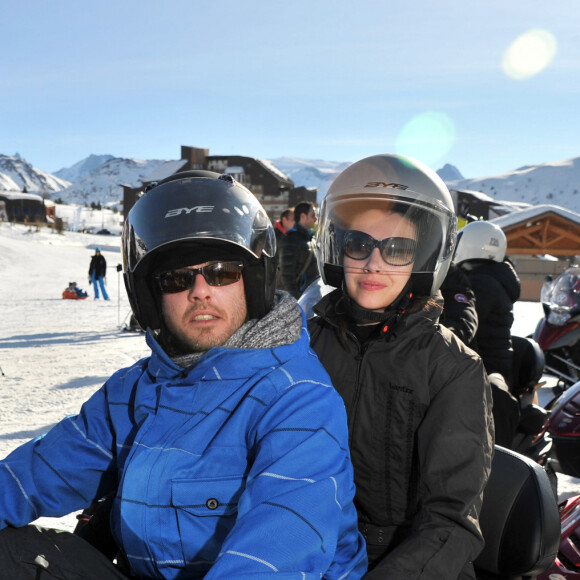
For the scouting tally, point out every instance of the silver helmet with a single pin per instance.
(390, 184)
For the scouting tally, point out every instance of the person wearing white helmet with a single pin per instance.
(481, 254)
(226, 450)
(418, 401)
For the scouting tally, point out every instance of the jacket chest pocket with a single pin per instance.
(206, 512)
(394, 444)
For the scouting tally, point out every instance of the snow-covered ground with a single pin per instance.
(55, 353)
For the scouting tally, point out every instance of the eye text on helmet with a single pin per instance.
(383, 184)
(187, 210)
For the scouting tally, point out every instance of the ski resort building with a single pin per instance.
(22, 207)
(542, 240)
(274, 189)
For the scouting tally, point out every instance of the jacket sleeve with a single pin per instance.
(296, 513)
(455, 447)
(61, 471)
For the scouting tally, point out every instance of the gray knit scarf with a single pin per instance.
(282, 325)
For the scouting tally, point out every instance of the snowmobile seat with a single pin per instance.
(519, 519)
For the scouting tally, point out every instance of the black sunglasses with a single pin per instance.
(215, 274)
(394, 251)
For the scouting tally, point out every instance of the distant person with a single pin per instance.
(98, 273)
(281, 226)
(73, 292)
(298, 265)
(226, 450)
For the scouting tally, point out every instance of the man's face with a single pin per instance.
(204, 316)
(309, 219)
(288, 222)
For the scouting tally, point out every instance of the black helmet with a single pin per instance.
(190, 218)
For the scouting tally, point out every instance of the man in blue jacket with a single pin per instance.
(227, 448)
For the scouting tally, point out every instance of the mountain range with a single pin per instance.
(98, 179)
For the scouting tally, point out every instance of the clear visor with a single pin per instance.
(387, 234)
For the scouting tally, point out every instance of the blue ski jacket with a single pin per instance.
(237, 467)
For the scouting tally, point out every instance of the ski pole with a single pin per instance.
(119, 269)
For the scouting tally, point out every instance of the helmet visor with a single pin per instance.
(197, 211)
(390, 234)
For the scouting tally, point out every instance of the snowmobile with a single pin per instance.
(563, 426)
(558, 333)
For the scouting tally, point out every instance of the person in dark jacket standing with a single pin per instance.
(481, 254)
(297, 260)
(281, 227)
(226, 450)
(98, 273)
(418, 400)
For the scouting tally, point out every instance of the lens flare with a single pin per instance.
(427, 136)
(529, 54)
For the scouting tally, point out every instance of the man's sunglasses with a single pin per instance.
(215, 274)
(394, 251)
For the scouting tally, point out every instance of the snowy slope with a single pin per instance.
(103, 185)
(55, 353)
(98, 179)
(310, 172)
(77, 171)
(555, 183)
(17, 175)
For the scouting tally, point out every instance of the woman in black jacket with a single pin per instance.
(418, 400)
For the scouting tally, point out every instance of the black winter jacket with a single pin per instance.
(296, 252)
(421, 440)
(497, 287)
(98, 266)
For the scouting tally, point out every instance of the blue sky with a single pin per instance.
(319, 79)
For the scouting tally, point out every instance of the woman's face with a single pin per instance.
(371, 282)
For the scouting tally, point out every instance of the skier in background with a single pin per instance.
(98, 273)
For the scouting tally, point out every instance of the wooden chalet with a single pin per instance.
(16, 206)
(542, 240)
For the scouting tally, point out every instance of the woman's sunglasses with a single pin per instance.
(394, 251)
(215, 274)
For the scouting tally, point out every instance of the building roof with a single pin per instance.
(535, 211)
(541, 229)
(19, 195)
(273, 169)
